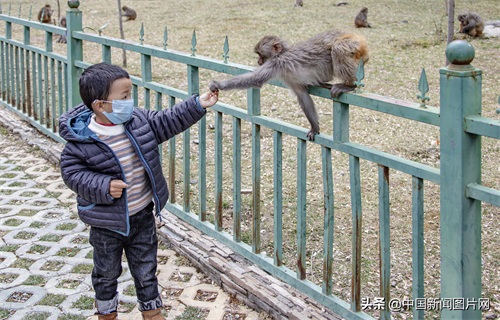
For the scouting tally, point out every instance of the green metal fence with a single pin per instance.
(39, 84)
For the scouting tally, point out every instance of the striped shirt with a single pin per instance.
(139, 192)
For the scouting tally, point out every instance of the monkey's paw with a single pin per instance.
(214, 86)
(311, 134)
(340, 88)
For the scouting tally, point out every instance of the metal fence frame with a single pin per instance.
(32, 96)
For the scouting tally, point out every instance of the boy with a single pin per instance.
(111, 161)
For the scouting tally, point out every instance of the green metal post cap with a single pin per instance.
(460, 52)
(74, 4)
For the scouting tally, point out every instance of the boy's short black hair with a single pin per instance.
(96, 81)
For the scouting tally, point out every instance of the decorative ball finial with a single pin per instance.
(460, 52)
(73, 4)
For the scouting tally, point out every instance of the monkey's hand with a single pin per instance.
(311, 134)
(214, 86)
(340, 88)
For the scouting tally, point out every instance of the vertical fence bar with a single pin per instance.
(147, 76)
(326, 160)
(22, 85)
(357, 223)
(202, 168)
(218, 171)
(74, 51)
(301, 207)
(17, 103)
(236, 179)
(9, 81)
(253, 101)
(45, 80)
(8, 64)
(193, 87)
(4, 73)
(60, 96)
(278, 198)
(384, 240)
(26, 85)
(33, 85)
(49, 85)
(418, 243)
(53, 89)
(106, 53)
(460, 220)
(135, 94)
(340, 122)
(39, 80)
(158, 107)
(171, 160)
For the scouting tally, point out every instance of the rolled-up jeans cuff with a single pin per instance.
(151, 304)
(107, 306)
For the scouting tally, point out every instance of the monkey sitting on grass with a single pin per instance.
(313, 62)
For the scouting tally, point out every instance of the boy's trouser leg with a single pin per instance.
(141, 249)
(108, 250)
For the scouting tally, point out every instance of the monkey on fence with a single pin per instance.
(361, 19)
(471, 23)
(45, 14)
(129, 13)
(62, 23)
(313, 62)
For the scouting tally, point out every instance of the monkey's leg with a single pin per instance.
(326, 85)
(307, 105)
(339, 88)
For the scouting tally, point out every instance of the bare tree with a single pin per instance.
(450, 8)
(122, 34)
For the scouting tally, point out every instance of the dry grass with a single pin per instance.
(407, 36)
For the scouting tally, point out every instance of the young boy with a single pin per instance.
(111, 161)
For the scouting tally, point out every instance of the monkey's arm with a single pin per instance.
(255, 79)
(469, 27)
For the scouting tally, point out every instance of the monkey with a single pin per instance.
(299, 3)
(129, 13)
(313, 62)
(361, 20)
(45, 14)
(62, 23)
(471, 24)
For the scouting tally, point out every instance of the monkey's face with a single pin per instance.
(261, 59)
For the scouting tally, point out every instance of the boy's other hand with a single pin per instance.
(209, 98)
(116, 188)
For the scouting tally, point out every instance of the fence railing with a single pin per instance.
(39, 84)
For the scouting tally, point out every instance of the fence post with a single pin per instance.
(460, 221)
(74, 51)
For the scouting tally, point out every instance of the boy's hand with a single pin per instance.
(116, 188)
(209, 98)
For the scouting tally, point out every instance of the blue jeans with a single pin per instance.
(140, 248)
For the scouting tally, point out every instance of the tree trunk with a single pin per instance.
(122, 34)
(451, 22)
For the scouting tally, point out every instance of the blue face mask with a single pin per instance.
(122, 111)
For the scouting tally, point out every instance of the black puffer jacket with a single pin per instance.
(88, 165)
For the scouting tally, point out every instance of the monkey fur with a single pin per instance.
(313, 62)
(45, 14)
(471, 23)
(129, 13)
(361, 19)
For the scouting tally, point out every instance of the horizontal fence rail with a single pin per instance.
(39, 85)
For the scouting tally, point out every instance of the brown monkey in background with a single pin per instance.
(62, 23)
(45, 14)
(298, 3)
(129, 13)
(313, 62)
(361, 20)
(471, 23)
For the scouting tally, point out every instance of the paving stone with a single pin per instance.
(37, 293)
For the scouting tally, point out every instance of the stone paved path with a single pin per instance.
(46, 260)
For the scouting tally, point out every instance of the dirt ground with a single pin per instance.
(406, 36)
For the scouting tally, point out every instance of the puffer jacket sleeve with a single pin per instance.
(172, 121)
(90, 185)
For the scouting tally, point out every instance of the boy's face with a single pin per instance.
(121, 89)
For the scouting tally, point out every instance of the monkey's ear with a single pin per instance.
(277, 48)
